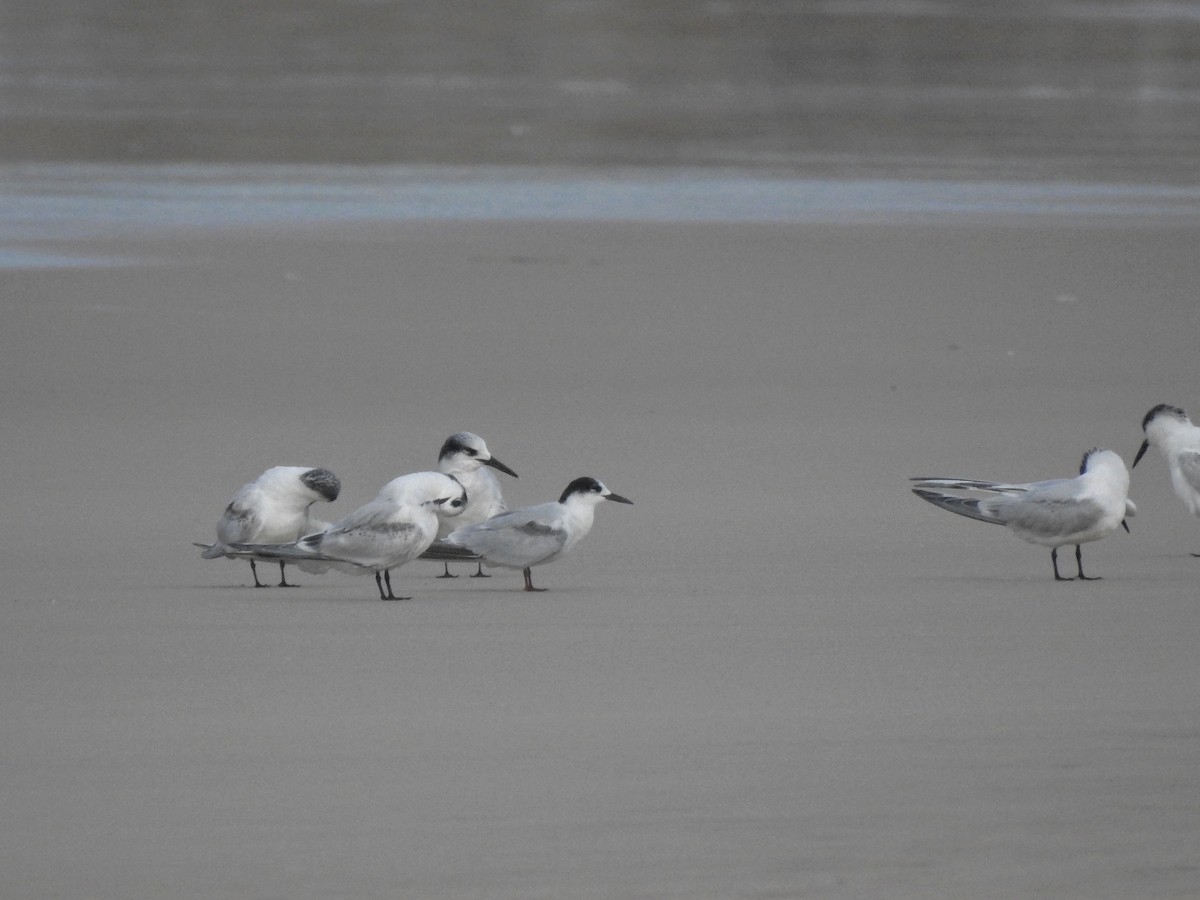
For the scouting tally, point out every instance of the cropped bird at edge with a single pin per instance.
(466, 457)
(1052, 513)
(1169, 429)
(273, 508)
(389, 531)
(533, 535)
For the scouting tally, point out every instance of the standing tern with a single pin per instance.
(1170, 430)
(394, 528)
(273, 508)
(1052, 513)
(533, 535)
(466, 457)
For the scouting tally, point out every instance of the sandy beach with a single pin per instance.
(754, 265)
(778, 674)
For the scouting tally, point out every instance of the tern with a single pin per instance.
(533, 535)
(1170, 430)
(1052, 513)
(466, 457)
(394, 528)
(273, 508)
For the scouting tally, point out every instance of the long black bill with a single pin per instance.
(1145, 446)
(496, 464)
(618, 498)
(1125, 525)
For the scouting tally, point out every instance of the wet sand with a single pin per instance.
(778, 674)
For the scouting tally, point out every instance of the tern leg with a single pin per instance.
(447, 574)
(254, 572)
(283, 582)
(387, 578)
(1054, 562)
(481, 573)
(529, 581)
(1079, 563)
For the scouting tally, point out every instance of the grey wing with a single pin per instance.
(1051, 517)
(519, 538)
(372, 535)
(970, 507)
(530, 543)
(545, 513)
(295, 550)
(969, 484)
(369, 515)
(1189, 467)
(381, 545)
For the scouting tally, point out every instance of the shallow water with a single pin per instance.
(49, 209)
(1060, 90)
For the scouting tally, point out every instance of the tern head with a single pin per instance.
(1100, 460)
(1085, 463)
(1158, 423)
(466, 452)
(437, 492)
(590, 490)
(323, 483)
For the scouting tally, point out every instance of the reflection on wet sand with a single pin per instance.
(1056, 90)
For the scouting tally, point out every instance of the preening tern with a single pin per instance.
(273, 508)
(394, 528)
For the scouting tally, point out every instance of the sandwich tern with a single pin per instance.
(394, 528)
(273, 508)
(1052, 513)
(533, 535)
(466, 457)
(1170, 430)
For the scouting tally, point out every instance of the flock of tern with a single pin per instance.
(454, 514)
(458, 513)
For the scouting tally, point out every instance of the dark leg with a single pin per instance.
(1079, 562)
(529, 581)
(283, 582)
(447, 574)
(254, 571)
(481, 573)
(379, 584)
(1054, 561)
(387, 577)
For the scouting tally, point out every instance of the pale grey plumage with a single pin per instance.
(536, 535)
(397, 526)
(1051, 513)
(1169, 429)
(275, 507)
(466, 457)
